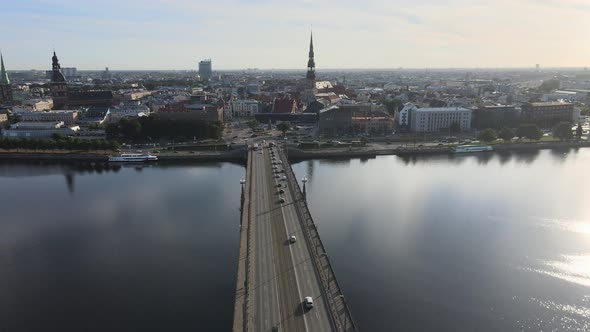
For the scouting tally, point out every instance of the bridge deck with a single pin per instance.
(278, 274)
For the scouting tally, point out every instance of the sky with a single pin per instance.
(274, 34)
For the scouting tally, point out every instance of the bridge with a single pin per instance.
(276, 273)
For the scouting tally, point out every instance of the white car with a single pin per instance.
(308, 302)
(292, 239)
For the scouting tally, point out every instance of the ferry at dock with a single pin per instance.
(132, 158)
(472, 148)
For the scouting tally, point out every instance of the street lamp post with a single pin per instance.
(242, 182)
(304, 180)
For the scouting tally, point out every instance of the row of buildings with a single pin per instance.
(351, 103)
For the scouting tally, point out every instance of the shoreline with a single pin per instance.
(294, 153)
(300, 155)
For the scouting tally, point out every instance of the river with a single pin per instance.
(146, 249)
(491, 242)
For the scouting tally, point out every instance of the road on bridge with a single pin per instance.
(283, 273)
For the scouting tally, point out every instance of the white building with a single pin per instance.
(39, 129)
(68, 117)
(433, 119)
(241, 108)
(128, 111)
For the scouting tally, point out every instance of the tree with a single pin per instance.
(112, 131)
(57, 136)
(579, 131)
(506, 134)
(253, 124)
(455, 128)
(530, 131)
(130, 128)
(487, 135)
(549, 85)
(563, 131)
(392, 105)
(284, 127)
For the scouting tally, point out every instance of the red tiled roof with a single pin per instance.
(285, 105)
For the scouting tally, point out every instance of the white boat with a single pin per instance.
(472, 148)
(132, 157)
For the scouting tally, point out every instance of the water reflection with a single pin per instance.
(123, 250)
(70, 182)
(465, 238)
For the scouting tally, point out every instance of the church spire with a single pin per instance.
(311, 61)
(311, 45)
(55, 62)
(4, 80)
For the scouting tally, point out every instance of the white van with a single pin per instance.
(308, 302)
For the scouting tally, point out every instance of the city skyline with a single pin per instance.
(162, 35)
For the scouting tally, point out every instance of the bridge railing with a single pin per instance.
(248, 324)
(338, 308)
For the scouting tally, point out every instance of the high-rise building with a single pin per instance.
(5, 87)
(58, 87)
(106, 74)
(205, 70)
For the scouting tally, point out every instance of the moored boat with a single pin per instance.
(132, 158)
(472, 148)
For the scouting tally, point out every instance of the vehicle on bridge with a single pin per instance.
(292, 239)
(308, 302)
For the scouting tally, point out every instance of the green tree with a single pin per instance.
(130, 129)
(57, 136)
(112, 131)
(506, 134)
(253, 124)
(563, 131)
(579, 131)
(392, 105)
(530, 131)
(487, 135)
(284, 127)
(549, 85)
(455, 128)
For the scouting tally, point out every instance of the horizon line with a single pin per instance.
(327, 69)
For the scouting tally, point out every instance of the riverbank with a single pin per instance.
(237, 155)
(294, 153)
(372, 151)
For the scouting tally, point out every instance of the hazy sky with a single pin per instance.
(176, 34)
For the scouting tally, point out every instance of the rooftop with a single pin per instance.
(549, 103)
(442, 109)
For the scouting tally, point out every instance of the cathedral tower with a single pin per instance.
(59, 88)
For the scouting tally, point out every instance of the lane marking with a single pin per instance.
(294, 266)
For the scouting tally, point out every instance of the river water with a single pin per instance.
(487, 242)
(467, 243)
(148, 249)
